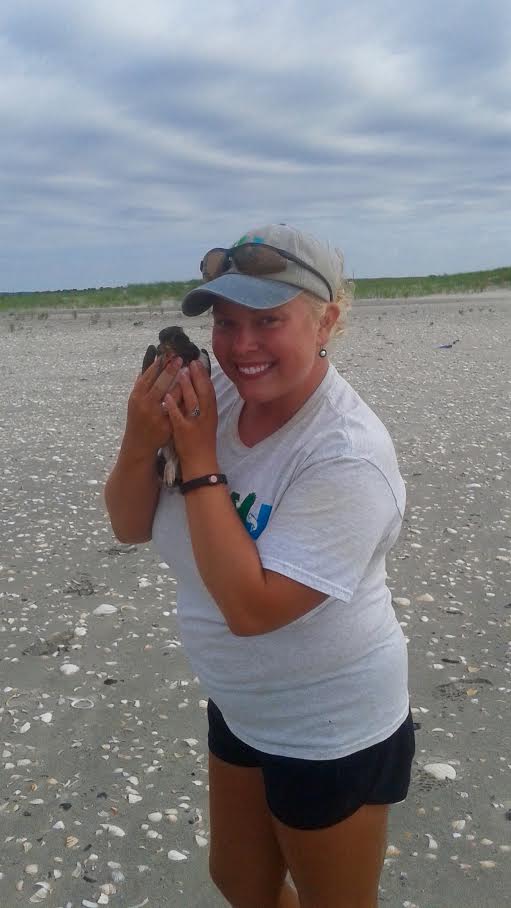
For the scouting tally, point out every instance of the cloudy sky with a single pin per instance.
(135, 136)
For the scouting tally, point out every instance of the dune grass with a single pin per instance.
(402, 287)
(167, 294)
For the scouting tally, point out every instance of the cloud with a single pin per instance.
(152, 132)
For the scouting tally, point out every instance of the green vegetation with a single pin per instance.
(130, 295)
(399, 287)
(153, 295)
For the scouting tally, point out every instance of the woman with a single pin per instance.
(282, 602)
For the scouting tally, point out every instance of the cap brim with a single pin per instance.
(253, 292)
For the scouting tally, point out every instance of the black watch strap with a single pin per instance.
(212, 479)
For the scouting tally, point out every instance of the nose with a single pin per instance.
(244, 340)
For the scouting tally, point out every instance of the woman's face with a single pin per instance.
(271, 354)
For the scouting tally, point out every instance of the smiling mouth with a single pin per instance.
(253, 371)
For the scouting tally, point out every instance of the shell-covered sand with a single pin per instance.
(103, 769)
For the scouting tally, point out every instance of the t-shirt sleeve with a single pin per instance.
(329, 524)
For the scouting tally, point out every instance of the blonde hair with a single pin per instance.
(343, 298)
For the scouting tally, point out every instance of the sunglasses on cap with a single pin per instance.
(255, 259)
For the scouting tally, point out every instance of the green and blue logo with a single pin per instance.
(254, 523)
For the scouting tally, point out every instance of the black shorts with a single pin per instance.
(313, 794)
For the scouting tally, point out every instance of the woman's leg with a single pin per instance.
(246, 862)
(339, 866)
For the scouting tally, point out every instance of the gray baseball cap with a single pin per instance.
(267, 291)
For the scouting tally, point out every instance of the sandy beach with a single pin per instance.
(103, 770)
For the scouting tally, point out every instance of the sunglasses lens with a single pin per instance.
(256, 259)
(214, 263)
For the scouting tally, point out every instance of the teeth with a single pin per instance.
(253, 370)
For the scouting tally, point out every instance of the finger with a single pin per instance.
(177, 396)
(147, 377)
(201, 381)
(177, 393)
(189, 394)
(166, 379)
(175, 415)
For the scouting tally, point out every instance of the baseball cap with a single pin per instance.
(268, 290)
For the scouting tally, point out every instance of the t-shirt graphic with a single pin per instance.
(255, 524)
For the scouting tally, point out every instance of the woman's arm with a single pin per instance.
(132, 489)
(131, 495)
(253, 600)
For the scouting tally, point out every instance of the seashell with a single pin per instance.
(134, 798)
(440, 771)
(24, 728)
(105, 609)
(46, 718)
(155, 817)
(69, 669)
(80, 631)
(41, 893)
(113, 830)
(118, 876)
(176, 856)
(201, 841)
(392, 852)
(459, 825)
(32, 869)
(401, 600)
(81, 703)
(432, 843)
(71, 841)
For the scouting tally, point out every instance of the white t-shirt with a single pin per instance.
(323, 499)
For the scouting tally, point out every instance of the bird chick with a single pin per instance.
(173, 342)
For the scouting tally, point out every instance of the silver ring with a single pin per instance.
(195, 412)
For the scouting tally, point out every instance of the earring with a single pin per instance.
(322, 353)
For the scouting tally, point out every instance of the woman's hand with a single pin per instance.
(194, 424)
(148, 426)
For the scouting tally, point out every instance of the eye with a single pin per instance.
(268, 320)
(222, 323)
